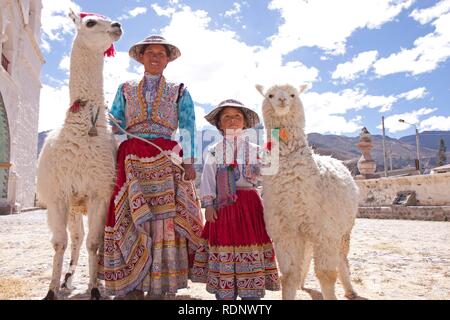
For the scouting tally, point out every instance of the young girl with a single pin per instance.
(236, 256)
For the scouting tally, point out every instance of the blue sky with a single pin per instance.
(362, 59)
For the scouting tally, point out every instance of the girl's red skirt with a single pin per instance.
(236, 256)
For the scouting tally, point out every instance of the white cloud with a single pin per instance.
(414, 94)
(393, 124)
(133, 13)
(435, 123)
(54, 101)
(325, 112)
(55, 22)
(137, 11)
(348, 99)
(328, 23)
(426, 55)
(232, 12)
(64, 64)
(229, 67)
(215, 64)
(200, 120)
(427, 15)
(353, 69)
(116, 71)
(160, 11)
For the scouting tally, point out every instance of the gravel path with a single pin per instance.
(389, 259)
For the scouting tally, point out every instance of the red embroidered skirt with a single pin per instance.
(236, 256)
(153, 223)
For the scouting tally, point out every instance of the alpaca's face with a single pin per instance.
(98, 32)
(282, 99)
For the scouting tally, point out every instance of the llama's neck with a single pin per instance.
(293, 130)
(86, 74)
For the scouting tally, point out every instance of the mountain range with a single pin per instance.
(400, 152)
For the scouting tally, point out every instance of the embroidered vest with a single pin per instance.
(226, 175)
(163, 119)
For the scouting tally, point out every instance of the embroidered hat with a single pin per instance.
(135, 49)
(250, 115)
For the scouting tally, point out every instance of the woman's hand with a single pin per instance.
(210, 214)
(189, 171)
(115, 129)
(114, 123)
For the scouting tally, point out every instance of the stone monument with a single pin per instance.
(366, 165)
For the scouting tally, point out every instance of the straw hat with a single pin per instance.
(250, 115)
(135, 49)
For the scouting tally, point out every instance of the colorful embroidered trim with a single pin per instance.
(161, 86)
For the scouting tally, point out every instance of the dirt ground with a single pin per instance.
(389, 259)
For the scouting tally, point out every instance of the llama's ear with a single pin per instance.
(260, 89)
(303, 88)
(75, 18)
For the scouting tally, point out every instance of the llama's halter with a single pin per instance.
(75, 107)
(279, 134)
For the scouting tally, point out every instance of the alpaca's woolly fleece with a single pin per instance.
(310, 203)
(76, 167)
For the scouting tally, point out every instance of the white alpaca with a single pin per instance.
(77, 163)
(310, 204)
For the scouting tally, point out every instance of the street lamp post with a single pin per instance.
(417, 145)
(384, 148)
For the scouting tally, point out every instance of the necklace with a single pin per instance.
(142, 102)
(234, 163)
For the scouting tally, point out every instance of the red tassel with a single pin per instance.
(111, 51)
(268, 146)
(232, 166)
(75, 107)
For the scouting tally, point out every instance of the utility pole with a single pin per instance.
(384, 148)
(417, 145)
(418, 150)
(390, 156)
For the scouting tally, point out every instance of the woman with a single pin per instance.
(154, 219)
(236, 257)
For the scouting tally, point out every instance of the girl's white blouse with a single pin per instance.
(214, 156)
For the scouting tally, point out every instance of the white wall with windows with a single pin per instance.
(20, 85)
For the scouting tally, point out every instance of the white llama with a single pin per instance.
(77, 163)
(310, 204)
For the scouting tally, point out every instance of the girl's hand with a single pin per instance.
(210, 214)
(189, 171)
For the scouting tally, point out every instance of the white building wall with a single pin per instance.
(431, 190)
(20, 89)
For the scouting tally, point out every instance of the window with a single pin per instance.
(5, 62)
(7, 50)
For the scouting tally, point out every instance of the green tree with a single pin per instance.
(442, 158)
